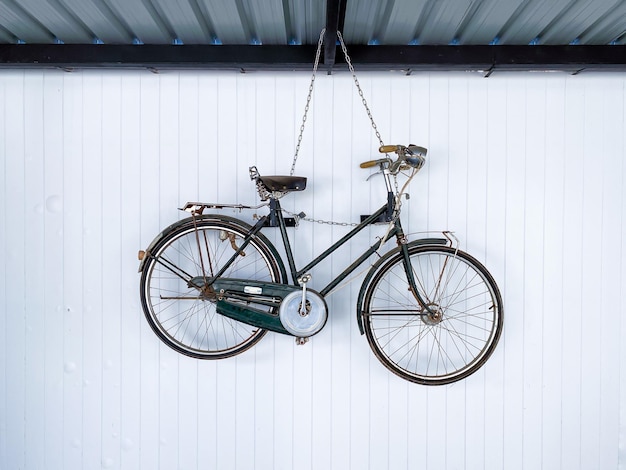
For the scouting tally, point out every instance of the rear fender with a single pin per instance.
(188, 221)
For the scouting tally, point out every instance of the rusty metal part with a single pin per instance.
(233, 243)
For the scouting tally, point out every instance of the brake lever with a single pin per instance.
(380, 172)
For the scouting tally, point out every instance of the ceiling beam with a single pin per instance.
(488, 59)
(335, 19)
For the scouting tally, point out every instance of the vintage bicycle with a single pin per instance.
(213, 285)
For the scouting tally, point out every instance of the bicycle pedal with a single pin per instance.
(301, 341)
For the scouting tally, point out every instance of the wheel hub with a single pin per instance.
(433, 315)
(204, 288)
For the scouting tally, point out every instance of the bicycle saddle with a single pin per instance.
(278, 183)
(284, 183)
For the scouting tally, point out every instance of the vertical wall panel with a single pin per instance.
(71, 197)
(527, 169)
(112, 249)
(188, 151)
(13, 427)
(34, 255)
(470, 218)
(495, 245)
(53, 264)
(573, 244)
(92, 275)
(613, 198)
(591, 282)
(149, 221)
(130, 212)
(621, 299)
(531, 142)
(168, 139)
(552, 266)
(339, 410)
(513, 281)
(4, 353)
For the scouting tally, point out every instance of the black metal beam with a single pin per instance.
(571, 59)
(335, 19)
(158, 56)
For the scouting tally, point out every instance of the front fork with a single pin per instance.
(425, 304)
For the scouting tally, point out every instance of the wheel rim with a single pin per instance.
(182, 310)
(451, 338)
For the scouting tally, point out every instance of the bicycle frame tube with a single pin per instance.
(296, 274)
(395, 231)
(237, 253)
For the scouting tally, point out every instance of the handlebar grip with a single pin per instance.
(387, 148)
(369, 163)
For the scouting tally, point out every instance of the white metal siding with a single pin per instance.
(527, 169)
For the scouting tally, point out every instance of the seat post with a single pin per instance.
(274, 207)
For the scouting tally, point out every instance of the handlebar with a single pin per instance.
(411, 156)
(372, 163)
(389, 148)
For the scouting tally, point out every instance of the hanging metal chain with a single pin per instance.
(358, 87)
(312, 84)
(301, 216)
(308, 100)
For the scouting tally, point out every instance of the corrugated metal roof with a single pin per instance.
(383, 34)
(282, 22)
(467, 22)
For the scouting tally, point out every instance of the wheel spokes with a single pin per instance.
(180, 306)
(444, 340)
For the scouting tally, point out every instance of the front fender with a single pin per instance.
(376, 266)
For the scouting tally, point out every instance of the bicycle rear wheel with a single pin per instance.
(448, 341)
(174, 295)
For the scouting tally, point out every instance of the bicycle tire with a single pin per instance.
(456, 338)
(183, 316)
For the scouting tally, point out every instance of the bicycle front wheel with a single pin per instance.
(176, 296)
(451, 338)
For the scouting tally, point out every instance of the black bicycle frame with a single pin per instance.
(275, 218)
(296, 274)
(385, 212)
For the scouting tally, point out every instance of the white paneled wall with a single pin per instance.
(528, 169)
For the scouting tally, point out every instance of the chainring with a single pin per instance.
(308, 322)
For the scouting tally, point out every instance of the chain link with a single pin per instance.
(318, 221)
(358, 87)
(308, 100)
(396, 213)
(310, 95)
